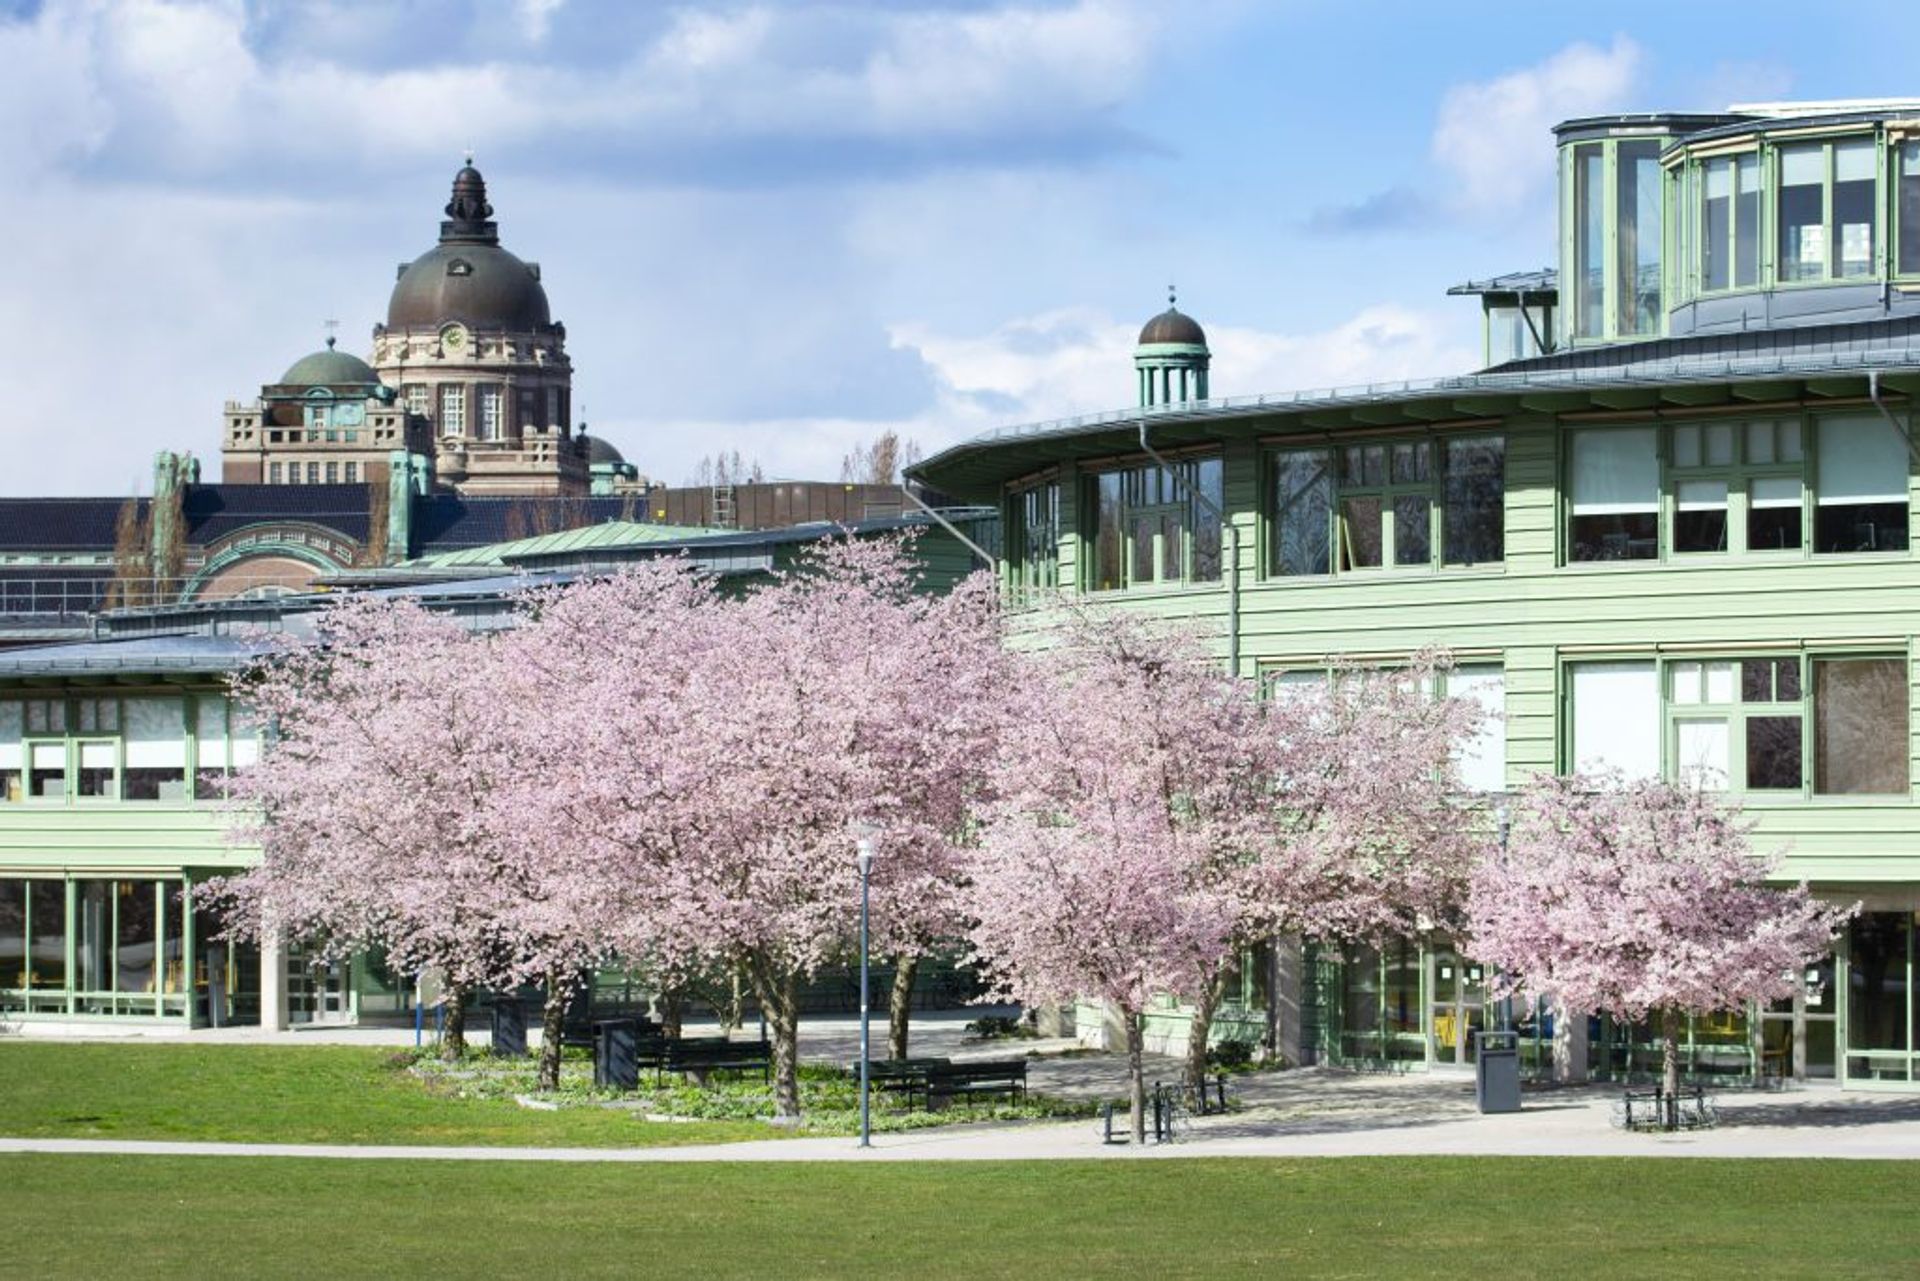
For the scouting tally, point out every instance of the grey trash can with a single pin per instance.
(616, 1055)
(1496, 1071)
(509, 1028)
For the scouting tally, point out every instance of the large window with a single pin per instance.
(453, 409)
(133, 749)
(1862, 504)
(1638, 189)
(1883, 998)
(1909, 206)
(1589, 241)
(1730, 223)
(1746, 724)
(1033, 543)
(1483, 760)
(1614, 486)
(1394, 503)
(493, 412)
(156, 750)
(1825, 210)
(1150, 528)
(1738, 485)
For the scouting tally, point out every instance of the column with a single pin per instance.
(1285, 986)
(1569, 1047)
(274, 1015)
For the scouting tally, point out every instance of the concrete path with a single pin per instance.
(1296, 1114)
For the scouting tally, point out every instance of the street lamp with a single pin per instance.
(863, 857)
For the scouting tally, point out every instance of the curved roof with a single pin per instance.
(601, 450)
(478, 284)
(328, 368)
(1173, 326)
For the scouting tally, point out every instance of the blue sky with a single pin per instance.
(783, 228)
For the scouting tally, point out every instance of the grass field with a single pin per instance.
(288, 1094)
(1500, 1217)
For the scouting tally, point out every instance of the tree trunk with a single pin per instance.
(900, 1006)
(673, 1009)
(553, 1030)
(453, 1025)
(781, 1006)
(1670, 1068)
(1137, 1075)
(1198, 1032)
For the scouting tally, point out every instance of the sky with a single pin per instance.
(782, 228)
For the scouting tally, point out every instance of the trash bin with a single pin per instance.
(616, 1054)
(509, 1028)
(1496, 1071)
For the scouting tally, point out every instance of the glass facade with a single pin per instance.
(1149, 528)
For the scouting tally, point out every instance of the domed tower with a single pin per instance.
(327, 420)
(472, 349)
(1172, 358)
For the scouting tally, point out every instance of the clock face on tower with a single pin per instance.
(454, 338)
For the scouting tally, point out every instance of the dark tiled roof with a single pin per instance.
(59, 524)
(447, 522)
(214, 511)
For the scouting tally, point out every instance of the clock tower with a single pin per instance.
(477, 362)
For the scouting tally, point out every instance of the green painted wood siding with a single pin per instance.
(1533, 614)
(134, 835)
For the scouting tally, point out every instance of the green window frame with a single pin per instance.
(1148, 528)
(1421, 503)
(146, 747)
(1033, 538)
(1726, 219)
(1903, 168)
(1614, 239)
(1826, 210)
(1778, 486)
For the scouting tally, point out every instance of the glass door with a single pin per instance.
(318, 992)
(1459, 1007)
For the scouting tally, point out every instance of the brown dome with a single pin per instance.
(1173, 326)
(468, 277)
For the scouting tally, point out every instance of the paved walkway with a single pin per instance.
(1295, 1114)
(1307, 1113)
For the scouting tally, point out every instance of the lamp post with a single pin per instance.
(864, 858)
(1505, 825)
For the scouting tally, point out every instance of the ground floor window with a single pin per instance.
(1882, 1006)
(120, 946)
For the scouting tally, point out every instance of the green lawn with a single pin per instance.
(289, 1094)
(80, 1216)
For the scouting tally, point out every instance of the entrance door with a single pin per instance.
(1459, 1006)
(318, 991)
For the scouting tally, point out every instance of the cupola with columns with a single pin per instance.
(1171, 359)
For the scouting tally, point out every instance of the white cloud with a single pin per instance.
(1492, 137)
(536, 17)
(1070, 361)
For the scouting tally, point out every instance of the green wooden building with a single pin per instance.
(113, 752)
(1665, 529)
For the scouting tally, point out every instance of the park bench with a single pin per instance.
(990, 1078)
(699, 1056)
(906, 1077)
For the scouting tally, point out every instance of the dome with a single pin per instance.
(481, 285)
(328, 368)
(1173, 326)
(468, 277)
(601, 451)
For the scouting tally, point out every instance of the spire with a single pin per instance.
(468, 213)
(1172, 297)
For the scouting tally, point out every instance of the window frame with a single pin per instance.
(1027, 574)
(1127, 476)
(1433, 489)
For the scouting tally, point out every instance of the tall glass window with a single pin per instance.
(1034, 557)
(1881, 998)
(1302, 507)
(453, 409)
(1473, 524)
(1616, 717)
(493, 413)
(156, 750)
(1615, 488)
(1910, 209)
(1860, 726)
(1730, 223)
(47, 935)
(13, 724)
(1746, 221)
(1150, 528)
(1854, 218)
(13, 935)
(1638, 191)
(1589, 240)
(1800, 212)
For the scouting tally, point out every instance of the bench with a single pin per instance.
(899, 1076)
(1005, 1078)
(699, 1056)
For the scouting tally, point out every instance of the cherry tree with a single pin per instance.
(1119, 853)
(1635, 897)
(385, 813)
(737, 744)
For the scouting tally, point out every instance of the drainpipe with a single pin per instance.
(1232, 549)
(1873, 394)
